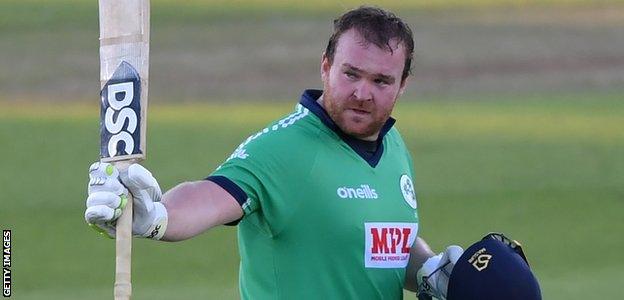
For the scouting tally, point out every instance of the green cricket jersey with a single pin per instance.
(322, 220)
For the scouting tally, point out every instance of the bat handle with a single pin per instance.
(123, 259)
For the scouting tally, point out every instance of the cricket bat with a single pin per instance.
(124, 65)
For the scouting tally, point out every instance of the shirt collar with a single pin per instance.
(308, 100)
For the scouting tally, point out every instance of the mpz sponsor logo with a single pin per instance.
(121, 113)
(364, 191)
(388, 244)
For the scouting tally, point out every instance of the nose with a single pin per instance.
(363, 91)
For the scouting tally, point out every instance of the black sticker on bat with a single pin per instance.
(120, 113)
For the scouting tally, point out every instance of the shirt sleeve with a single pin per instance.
(240, 178)
(263, 172)
(245, 173)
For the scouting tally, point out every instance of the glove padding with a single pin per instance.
(433, 276)
(107, 198)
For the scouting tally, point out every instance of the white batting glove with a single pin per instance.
(107, 197)
(434, 274)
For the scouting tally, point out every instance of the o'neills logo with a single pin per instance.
(388, 244)
(364, 191)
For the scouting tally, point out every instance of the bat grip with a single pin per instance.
(123, 259)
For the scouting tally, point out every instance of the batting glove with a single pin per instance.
(107, 198)
(434, 275)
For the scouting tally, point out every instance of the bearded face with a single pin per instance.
(355, 116)
(362, 85)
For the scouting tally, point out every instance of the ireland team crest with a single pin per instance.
(407, 188)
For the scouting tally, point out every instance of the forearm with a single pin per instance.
(419, 253)
(194, 207)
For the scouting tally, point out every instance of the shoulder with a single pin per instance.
(395, 145)
(280, 140)
(394, 138)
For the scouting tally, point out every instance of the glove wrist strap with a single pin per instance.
(159, 226)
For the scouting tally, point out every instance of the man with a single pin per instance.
(323, 198)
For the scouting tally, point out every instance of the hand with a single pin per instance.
(107, 198)
(434, 275)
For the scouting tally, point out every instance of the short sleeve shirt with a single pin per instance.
(321, 220)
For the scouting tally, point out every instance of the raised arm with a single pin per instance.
(185, 211)
(194, 207)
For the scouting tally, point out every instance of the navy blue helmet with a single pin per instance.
(493, 268)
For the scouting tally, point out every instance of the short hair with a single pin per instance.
(376, 26)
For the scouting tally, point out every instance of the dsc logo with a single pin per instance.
(120, 113)
(388, 244)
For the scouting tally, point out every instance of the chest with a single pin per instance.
(347, 203)
(345, 189)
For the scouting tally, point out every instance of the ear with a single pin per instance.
(403, 86)
(325, 67)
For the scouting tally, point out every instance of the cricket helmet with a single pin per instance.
(493, 268)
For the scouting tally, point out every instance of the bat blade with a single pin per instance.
(124, 66)
(120, 115)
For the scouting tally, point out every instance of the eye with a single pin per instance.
(351, 75)
(380, 81)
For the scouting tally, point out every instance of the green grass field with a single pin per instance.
(514, 119)
(546, 170)
(246, 50)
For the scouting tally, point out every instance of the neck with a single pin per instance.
(320, 101)
(371, 138)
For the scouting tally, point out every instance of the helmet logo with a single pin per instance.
(480, 260)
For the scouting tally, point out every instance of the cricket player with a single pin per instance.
(324, 198)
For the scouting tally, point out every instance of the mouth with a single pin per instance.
(359, 111)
